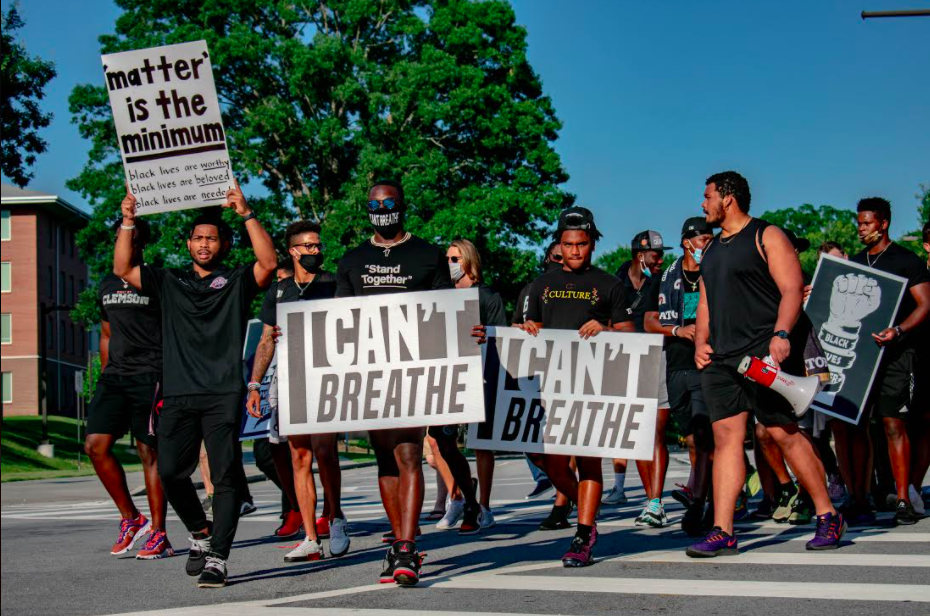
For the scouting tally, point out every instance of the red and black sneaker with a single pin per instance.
(470, 525)
(290, 525)
(407, 563)
(129, 532)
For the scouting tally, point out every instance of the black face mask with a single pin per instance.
(311, 263)
(387, 223)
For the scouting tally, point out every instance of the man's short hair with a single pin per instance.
(927, 232)
(877, 205)
(393, 184)
(212, 218)
(731, 183)
(143, 231)
(298, 228)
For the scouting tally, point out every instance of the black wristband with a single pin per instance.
(251, 215)
(781, 334)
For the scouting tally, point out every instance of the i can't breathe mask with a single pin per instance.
(387, 223)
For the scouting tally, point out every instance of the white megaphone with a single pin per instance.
(798, 390)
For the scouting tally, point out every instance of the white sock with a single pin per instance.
(619, 480)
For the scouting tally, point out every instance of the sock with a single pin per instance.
(561, 511)
(788, 488)
(619, 480)
(584, 531)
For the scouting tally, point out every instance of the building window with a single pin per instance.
(71, 238)
(61, 287)
(50, 332)
(6, 277)
(6, 328)
(72, 290)
(7, 386)
(51, 233)
(6, 231)
(51, 282)
(70, 342)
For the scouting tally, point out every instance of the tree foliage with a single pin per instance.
(923, 215)
(817, 225)
(24, 78)
(322, 99)
(611, 260)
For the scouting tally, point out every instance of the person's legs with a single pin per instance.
(382, 441)
(219, 418)
(158, 504)
(899, 452)
(179, 438)
(703, 439)
(558, 469)
(304, 483)
(772, 454)
(445, 438)
(919, 433)
(442, 467)
(327, 462)
(485, 460)
(590, 486)
(284, 469)
(729, 472)
(854, 453)
(99, 448)
(801, 455)
(205, 471)
(660, 467)
(408, 454)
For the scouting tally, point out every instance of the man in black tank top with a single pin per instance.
(751, 293)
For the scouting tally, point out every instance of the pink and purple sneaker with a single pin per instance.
(830, 530)
(580, 553)
(716, 543)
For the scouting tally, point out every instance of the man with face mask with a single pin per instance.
(395, 261)
(309, 282)
(205, 309)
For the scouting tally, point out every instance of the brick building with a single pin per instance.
(41, 269)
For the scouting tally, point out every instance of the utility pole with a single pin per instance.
(901, 13)
(45, 448)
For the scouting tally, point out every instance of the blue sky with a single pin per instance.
(809, 102)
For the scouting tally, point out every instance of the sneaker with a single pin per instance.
(322, 527)
(406, 563)
(580, 554)
(836, 489)
(802, 512)
(339, 537)
(389, 537)
(860, 516)
(486, 519)
(196, 556)
(542, 487)
(753, 481)
(917, 502)
(616, 496)
(904, 514)
(683, 495)
(387, 567)
(741, 510)
(157, 546)
(246, 508)
(306, 550)
(558, 518)
(207, 504)
(786, 500)
(213, 574)
(454, 511)
(692, 521)
(290, 525)
(716, 543)
(470, 525)
(830, 530)
(129, 532)
(653, 515)
(765, 510)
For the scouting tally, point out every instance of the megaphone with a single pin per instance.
(797, 390)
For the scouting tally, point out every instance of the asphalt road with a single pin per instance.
(55, 560)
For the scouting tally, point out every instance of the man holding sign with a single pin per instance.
(205, 310)
(581, 297)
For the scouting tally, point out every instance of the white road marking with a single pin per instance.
(757, 557)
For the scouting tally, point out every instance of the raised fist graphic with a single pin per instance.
(854, 297)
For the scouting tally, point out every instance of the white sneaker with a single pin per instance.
(454, 511)
(486, 518)
(308, 549)
(616, 496)
(338, 537)
(246, 508)
(917, 501)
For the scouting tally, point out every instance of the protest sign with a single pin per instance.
(253, 427)
(398, 360)
(557, 393)
(849, 302)
(169, 127)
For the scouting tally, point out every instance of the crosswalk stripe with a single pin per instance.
(756, 557)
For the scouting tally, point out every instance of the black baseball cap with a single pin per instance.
(647, 240)
(577, 218)
(800, 244)
(696, 225)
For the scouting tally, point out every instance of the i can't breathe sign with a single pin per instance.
(385, 361)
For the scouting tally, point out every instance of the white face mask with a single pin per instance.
(455, 270)
(697, 253)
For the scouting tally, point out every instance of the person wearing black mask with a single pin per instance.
(309, 282)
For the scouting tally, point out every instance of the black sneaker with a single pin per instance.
(765, 510)
(406, 563)
(693, 520)
(558, 518)
(542, 486)
(387, 569)
(214, 573)
(904, 514)
(196, 557)
(470, 524)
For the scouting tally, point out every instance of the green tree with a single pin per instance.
(24, 78)
(923, 214)
(611, 260)
(320, 100)
(817, 225)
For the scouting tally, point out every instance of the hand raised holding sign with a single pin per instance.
(128, 208)
(236, 200)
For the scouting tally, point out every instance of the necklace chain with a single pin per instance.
(302, 288)
(868, 257)
(387, 247)
(729, 238)
(684, 274)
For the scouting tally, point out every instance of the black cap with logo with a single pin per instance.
(696, 225)
(647, 240)
(577, 218)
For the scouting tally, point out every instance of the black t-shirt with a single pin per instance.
(519, 310)
(491, 307)
(567, 300)
(323, 286)
(642, 300)
(901, 262)
(203, 326)
(415, 265)
(135, 328)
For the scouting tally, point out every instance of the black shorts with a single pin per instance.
(124, 403)
(444, 433)
(686, 399)
(894, 382)
(729, 393)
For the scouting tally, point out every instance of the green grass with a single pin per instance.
(19, 459)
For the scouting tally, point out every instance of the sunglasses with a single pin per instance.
(389, 203)
(453, 259)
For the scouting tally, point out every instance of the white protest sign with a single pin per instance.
(169, 127)
(558, 393)
(398, 360)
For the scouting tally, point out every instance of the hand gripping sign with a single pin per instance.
(399, 360)
(848, 302)
(558, 393)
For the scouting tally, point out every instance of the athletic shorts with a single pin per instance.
(444, 433)
(728, 393)
(686, 399)
(891, 391)
(663, 385)
(124, 403)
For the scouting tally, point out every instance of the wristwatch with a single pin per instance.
(899, 330)
(782, 334)
(251, 215)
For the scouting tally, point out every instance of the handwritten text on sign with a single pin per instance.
(384, 361)
(557, 393)
(169, 126)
